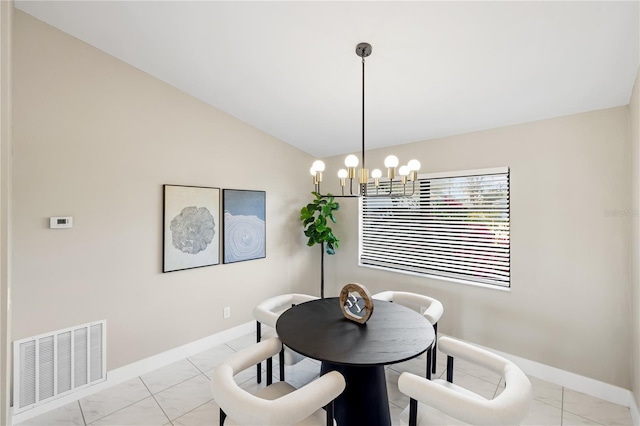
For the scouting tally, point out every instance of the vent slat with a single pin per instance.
(46, 368)
(95, 361)
(64, 362)
(27, 359)
(80, 337)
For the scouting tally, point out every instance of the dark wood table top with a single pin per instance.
(319, 330)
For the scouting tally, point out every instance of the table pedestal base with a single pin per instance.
(364, 400)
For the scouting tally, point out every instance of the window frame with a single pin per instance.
(452, 174)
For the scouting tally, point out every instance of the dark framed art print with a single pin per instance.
(191, 227)
(244, 222)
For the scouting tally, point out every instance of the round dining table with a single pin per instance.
(394, 333)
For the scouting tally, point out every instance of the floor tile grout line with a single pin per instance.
(193, 363)
(122, 408)
(233, 349)
(175, 384)
(497, 387)
(473, 375)
(580, 415)
(156, 401)
(199, 369)
(585, 418)
(118, 410)
(192, 410)
(562, 407)
(82, 413)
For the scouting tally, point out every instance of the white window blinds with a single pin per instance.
(455, 225)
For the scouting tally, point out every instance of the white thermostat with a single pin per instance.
(60, 222)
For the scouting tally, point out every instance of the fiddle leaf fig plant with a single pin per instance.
(315, 216)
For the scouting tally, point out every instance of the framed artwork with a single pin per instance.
(191, 232)
(244, 236)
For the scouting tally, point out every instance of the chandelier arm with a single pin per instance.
(338, 196)
(413, 188)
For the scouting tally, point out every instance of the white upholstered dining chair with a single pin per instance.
(440, 402)
(277, 404)
(433, 312)
(267, 313)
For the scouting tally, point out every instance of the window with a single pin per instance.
(455, 225)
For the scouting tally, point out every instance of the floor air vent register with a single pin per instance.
(55, 364)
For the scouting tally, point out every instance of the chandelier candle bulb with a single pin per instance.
(342, 174)
(314, 176)
(414, 167)
(391, 162)
(318, 166)
(351, 161)
(376, 174)
(404, 172)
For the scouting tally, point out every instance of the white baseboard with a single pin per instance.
(586, 385)
(140, 368)
(635, 413)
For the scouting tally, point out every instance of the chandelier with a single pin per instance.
(395, 186)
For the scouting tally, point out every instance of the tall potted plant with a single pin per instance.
(315, 216)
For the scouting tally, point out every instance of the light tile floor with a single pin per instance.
(180, 395)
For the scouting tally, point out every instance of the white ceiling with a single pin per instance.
(437, 68)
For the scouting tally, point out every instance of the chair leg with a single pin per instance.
(223, 417)
(329, 413)
(259, 365)
(449, 369)
(413, 412)
(435, 349)
(428, 375)
(281, 361)
(269, 371)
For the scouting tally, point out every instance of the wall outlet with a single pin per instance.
(226, 312)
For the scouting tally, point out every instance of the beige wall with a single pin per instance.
(6, 22)
(634, 115)
(96, 139)
(569, 305)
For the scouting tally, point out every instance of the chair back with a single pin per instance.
(433, 308)
(508, 408)
(268, 311)
(277, 404)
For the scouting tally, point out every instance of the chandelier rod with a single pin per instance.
(363, 162)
